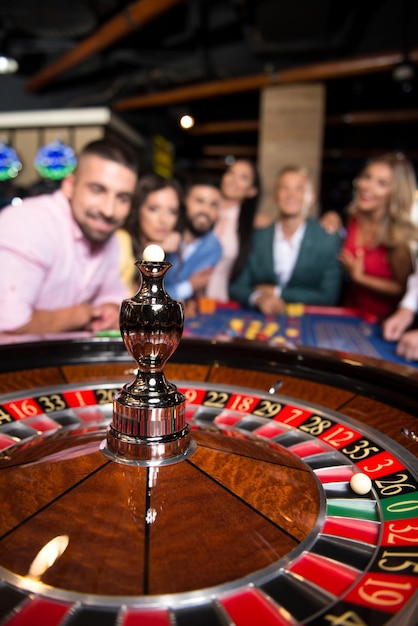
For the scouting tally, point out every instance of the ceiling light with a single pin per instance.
(404, 75)
(186, 121)
(8, 65)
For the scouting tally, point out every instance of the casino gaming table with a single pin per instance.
(333, 328)
(262, 526)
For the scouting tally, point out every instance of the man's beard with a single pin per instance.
(198, 232)
(96, 235)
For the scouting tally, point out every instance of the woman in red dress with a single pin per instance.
(377, 252)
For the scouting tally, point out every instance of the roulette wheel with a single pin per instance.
(255, 520)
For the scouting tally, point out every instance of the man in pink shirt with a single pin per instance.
(59, 258)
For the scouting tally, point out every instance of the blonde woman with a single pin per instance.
(376, 254)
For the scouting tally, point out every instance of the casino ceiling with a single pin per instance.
(151, 60)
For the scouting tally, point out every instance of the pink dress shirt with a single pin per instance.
(46, 263)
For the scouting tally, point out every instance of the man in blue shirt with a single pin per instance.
(199, 248)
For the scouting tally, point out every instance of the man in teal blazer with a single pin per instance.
(293, 259)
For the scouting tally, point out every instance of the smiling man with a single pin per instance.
(293, 259)
(199, 248)
(59, 258)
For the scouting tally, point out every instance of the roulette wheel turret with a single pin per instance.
(149, 419)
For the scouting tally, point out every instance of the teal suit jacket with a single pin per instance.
(316, 277)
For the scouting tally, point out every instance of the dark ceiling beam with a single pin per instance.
(374, 117)
(398, 116)
(225, 150)
(320, 71)
(335, 154)
(124, 23)
(210, 164)
(233, 126)
(197, 92)
(343, 68)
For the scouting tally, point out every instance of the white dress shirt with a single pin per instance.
(285, 253)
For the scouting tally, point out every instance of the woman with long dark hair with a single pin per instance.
(241, 188)
(153, 218)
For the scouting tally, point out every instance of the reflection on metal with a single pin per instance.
(410, 434)
(275, 387)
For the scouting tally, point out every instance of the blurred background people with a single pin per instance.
(241, 188)
(199, 249)
(153, 218)
(293, 259)
(377, 251)
(59, 257)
